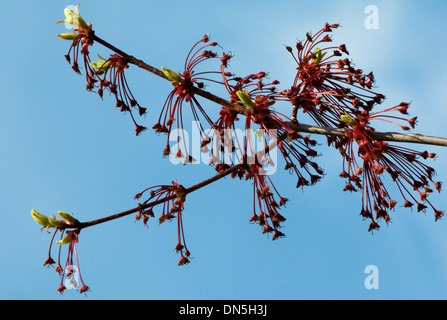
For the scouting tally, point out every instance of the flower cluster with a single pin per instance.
(222, 142)
(222, 139)
(111, 76)
(298, 152)
(173, 198)
(265, 207)
(71, 238)
(82, 38)
(184, 84)
(364, 167)
(327, 85)
(103, 74)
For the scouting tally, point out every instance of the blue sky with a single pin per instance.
(65, 149)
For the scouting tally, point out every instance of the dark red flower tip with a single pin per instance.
(49, 262)
(438, 214)
(61, 288)
(373, 226)
(84, 288)
(183, 261)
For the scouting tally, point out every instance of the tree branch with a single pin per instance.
(299, 127)
(382, 136)
(83, 225)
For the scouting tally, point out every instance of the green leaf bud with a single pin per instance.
(67, 36)
(348, 119)
(102, 65)
(68, 217)
(245, 99)
(64, 240)
(40, 218)
(318, 55)
(171, 75)
(55, 223)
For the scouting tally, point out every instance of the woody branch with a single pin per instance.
(299, 127)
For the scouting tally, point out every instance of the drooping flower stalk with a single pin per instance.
(265, 207)
(82, 38)
(364, 167)
(111, 76)
(173, 207)
(184, 83)
(71, 238)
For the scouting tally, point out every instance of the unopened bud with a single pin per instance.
(318, 55)
(102, 65)
(68, 217)
(71, 236)
(67, 36)
(348, 119)
(64, 240)
(40, 218)
(55, 223)
(171, 75)
(78, 22)
(245, 99)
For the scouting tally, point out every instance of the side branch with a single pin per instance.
(198, 186)
(382, 136)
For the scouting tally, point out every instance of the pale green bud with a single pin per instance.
(348, 119)
(318, 55)
(67, 36)
(47, 222)
(64, 240)
(71, 236)
(79, 22)
(245, 99)
(68, 15)
(55, 223)
(171, 75)
(40, 218)
(67, 217)
(103, 65)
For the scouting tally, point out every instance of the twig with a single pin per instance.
(382, 136)
(83, 225)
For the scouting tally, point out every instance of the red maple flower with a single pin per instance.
(184, 84)
(365, 166)
(173, 198)
(256, 97)
(327, 86)
(71, 239)
(82, 38)
(111, 76)
(297, 152)
(265, 207)
(222, 142)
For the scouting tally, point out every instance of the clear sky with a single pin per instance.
(65, 149)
